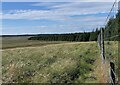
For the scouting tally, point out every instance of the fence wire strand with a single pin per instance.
(109, 44)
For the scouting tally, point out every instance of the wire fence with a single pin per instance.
(108, 43)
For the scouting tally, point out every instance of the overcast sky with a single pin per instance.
(53, 17)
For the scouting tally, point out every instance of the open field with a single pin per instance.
(63, 63)
(14, 42)
(75, 62)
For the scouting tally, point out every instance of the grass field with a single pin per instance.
(62, 63)
(73, 62)
(15, 42)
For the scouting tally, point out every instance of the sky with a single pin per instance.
(52, 17)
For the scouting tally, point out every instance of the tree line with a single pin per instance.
(85, 36)
(112, 28)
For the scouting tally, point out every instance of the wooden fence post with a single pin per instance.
(112, 73)
(102, 45)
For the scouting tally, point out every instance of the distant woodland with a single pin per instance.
(111, 32)
(111, 29)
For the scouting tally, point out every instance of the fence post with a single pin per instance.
(112, 73)
(99, 41)
(102, 45)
